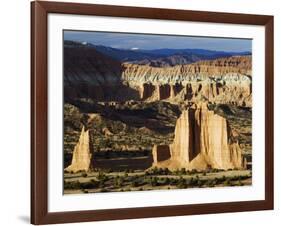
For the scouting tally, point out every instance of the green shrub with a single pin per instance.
(227, 182)
(118, 181)
(193, 181)
(166, 181)
(173, 181)
(200, 183)
(135, 183)
(147, 173)
(72, 185)
(183, 171)
(167, 171)
(153, 181)
(210, 183)
(88, 185)
(101, 176)
(181, 183)
(240, 183)
(109, 170)
(193, 171)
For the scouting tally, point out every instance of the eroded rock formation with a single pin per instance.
(217, 92)
(226, 80)
(82, 156)
(163, 91)
(146, 90)
(201, 141)
(90, 74)
(238, 65)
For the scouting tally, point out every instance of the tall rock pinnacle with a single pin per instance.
(81, 158)
(201, 142)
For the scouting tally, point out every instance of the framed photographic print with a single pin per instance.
(145, 112)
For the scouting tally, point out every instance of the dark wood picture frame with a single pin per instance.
(39, 107)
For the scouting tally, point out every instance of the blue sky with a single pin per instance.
(141, 41)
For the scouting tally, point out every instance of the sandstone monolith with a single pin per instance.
(201, 142)
(81, 157)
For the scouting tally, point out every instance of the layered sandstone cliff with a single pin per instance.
(201, 141)
(82, 156)
(201, 70)
(238, 92)
(226, 80)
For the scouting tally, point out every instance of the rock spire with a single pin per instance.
(82, 156)
(201, 142)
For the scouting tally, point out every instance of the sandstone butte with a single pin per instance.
(82, 156)
(201, 142)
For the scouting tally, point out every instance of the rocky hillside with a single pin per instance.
(86, 65)
(91, 74)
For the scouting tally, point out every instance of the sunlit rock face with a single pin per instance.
(82, 156)
(201, 142)
(226, 80)
(195, 72)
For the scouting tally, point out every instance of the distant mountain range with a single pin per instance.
(157, 57)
